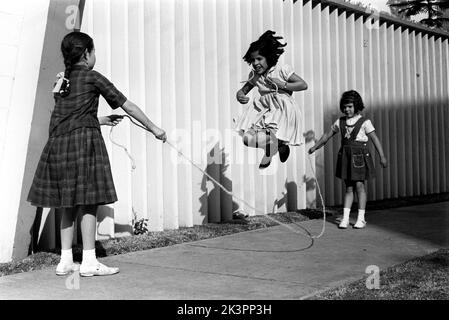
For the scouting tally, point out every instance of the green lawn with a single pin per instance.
(424, 278)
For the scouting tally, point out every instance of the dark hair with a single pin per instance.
(354, 97)
(268, 47)
(73, 47)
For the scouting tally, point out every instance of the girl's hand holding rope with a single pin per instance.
(112, 120)
(160, 134)
(241, 97)
(313, 149)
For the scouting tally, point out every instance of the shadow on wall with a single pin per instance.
(49, 238)
(216, 204)
(289, 198)
(50, 235)
(310, 139)
(106, 212)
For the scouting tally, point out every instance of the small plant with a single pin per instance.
(140, 226)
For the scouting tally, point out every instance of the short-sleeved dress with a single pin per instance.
(274, 111)
(74, 167)
(354, 161)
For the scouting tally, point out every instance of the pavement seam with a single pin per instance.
(213, 273)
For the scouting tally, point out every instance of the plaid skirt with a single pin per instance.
(73, 170)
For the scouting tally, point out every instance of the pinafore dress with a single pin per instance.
(354, 160)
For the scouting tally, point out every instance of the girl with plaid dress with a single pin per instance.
(74, 174)
(354, 162)
(274, 121)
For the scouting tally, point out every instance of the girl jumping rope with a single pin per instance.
(354, 162)
(274, 121)
(74, 174)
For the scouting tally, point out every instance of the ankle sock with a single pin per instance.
(89, 257)
(66, 256)
(346, 212)
(361, 216)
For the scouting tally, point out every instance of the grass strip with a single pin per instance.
(423, 278)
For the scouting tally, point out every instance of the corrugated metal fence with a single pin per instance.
(180, 61)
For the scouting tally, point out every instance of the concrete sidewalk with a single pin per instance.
(273, 263)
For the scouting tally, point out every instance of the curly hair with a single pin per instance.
(73, 47)
(268, 46)
(354, 97)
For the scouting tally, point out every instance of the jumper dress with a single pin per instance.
(275, 112)
(354, 161)
(74, 167)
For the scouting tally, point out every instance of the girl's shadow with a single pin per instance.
(217, 204)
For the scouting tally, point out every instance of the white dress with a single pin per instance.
(273, 110)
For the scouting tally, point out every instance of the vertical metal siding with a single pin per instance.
(180, 61)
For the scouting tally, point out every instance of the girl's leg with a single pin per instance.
(361, 194)
(264, 140)
(90, 265)
(68, 217)
(349, 194)
(261, 139)
(88, 226)
(349, 198)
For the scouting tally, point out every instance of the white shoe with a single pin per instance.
(64, 269)
(343, 224)
(98, 269)
(360, 224)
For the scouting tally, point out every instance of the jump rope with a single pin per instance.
(181, 154)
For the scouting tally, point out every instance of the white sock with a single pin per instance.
(66, 256)
(346, 212)
(89, 257)
(361, 216)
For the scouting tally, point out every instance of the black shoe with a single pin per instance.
(265, 162)
(284, 152)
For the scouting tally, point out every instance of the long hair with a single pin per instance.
(73, 47)
(354, 97)
(268, 46)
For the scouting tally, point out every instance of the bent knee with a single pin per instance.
(249, 139)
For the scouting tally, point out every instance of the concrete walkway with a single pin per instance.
(273, 263)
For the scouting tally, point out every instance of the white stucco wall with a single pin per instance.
(22, 30)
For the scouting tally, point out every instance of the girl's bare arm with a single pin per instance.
(294, 83)
(241, 94)
(322, 141)
(134, 111)
(379, 149)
